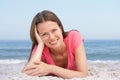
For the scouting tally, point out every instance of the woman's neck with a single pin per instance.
(59, 51)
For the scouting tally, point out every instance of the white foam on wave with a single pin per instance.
(12, 61)
(104, 61)
(15, 61)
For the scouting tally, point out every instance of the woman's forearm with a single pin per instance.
(36, 56)
(65, 73)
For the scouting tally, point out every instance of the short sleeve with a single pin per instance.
(72, 41)
(76, 40)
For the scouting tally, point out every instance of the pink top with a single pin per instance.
(72, 41)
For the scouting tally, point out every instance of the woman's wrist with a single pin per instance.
(41, 46)
(50, 68)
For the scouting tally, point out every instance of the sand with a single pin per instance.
(98, 70)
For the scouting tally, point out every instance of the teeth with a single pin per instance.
(53, 42)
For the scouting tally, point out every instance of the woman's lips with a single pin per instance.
(53, 42)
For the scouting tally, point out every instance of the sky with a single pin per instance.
(94, 19)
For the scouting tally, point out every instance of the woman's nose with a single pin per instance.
(51, 36)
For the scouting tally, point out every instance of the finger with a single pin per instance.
(29, 72)
(30, 67)
(35, 72)
(36, 32)
(23, 70)
(39, 74)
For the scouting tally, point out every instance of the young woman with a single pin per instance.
(55, 52)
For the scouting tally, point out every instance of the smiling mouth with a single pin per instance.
(53, 42)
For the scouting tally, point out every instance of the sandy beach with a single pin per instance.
(98, 70)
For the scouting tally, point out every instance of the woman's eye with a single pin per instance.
(54, 30)
(44, 34)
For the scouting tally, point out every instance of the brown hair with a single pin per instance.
(40, 17)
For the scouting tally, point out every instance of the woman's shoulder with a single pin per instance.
(72, 35)
(73, 32)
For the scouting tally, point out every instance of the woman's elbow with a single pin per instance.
(84, 74)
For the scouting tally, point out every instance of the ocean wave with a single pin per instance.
(15, 50)
(12, 61)
(17, 61)
(104, 61)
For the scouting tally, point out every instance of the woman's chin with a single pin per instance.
(54, 46)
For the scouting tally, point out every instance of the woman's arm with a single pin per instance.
(36, 55)
(81, 64)
(41, 68)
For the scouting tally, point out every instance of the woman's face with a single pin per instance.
(50, 33)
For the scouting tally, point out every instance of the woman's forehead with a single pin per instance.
(46, 26)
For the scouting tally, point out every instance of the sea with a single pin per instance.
(16, 51)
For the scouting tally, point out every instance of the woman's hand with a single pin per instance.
(27, 66)
(39, 40)
(38, 69)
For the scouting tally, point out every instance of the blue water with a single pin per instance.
(103, 49)
(95, 49)
(15, 49)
